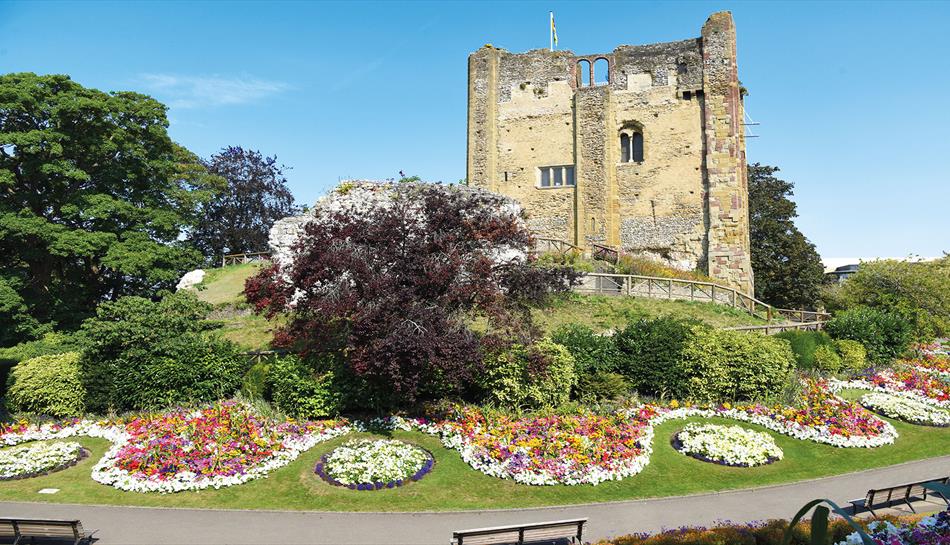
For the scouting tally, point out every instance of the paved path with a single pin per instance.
(140, 525)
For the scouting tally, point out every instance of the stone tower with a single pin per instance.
(642, 148)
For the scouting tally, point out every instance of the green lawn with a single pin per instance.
(453, 485)
(225, 285)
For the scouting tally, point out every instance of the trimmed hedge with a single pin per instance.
(734, 365)
(540, 375)
(827, 359)
(47, 385)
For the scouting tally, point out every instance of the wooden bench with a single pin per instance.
(22, 529)
(903, 493)
(557, 531)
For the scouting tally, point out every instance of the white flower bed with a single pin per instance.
(906, 409)
(861, 384)
(366, 461)
(30, 460)
(728, 445)
(818, 434)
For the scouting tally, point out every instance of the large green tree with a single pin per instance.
(788, 269)
(95, 199)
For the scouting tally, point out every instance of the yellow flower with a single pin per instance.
(674, 404)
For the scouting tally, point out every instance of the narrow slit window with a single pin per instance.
(624, 148)
(637, 152)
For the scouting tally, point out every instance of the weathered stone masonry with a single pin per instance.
(683, 200)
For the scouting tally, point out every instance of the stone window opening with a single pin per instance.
(631, 145)
(584, 73)
(556, 176)
(601, 72)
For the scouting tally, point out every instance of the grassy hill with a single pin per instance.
(223, 288)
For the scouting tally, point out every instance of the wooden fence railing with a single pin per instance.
(247, 257)
(257, 356)
(544, 245)
(772, 329)
(690, 290)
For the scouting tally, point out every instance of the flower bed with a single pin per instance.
(932, 364)
(931, 530)
(216, 446)
(34, 460)
(906, 409)
(727, 445)
(227, 444)
(365, 464)
(909, 382)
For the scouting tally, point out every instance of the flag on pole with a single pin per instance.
(553, 33)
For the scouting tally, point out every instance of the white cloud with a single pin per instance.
(199, 91)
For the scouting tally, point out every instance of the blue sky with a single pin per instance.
(851, 96)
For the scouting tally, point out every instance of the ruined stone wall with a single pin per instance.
(532, 110)
(728, 191)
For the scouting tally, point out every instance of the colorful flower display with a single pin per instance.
(906, 382)
(227, 443)
(220, 445)
(906, 409)
(727, 445)
(33, 460)
(931, 530)
(366, 464)
(931, 363)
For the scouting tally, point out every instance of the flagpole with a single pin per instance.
(551, 29)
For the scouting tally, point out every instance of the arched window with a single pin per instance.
(637, 154)
(631, 145)
(583, 73)
(601, 71)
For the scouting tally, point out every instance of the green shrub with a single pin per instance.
(804, 344)
(573, 259)
(853, 355)
(540, 375)
(592, 352)
(48, 385)
(651, 354)
(254, 385)
(184, 369)
(301, 393)
(734, 365)
(827, 359)
(601, 385)
(142, 354)
(885, 335)
(49, 344)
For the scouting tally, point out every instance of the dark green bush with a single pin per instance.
(299, 392)
(143, 354)
(734, 365)
(804, 344)
(601, 385)
(540, 375)
(885, 335)
(651, 354)
(592, 352)
(853, 355)
(47, 385)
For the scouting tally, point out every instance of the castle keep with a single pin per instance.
(641, 148)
